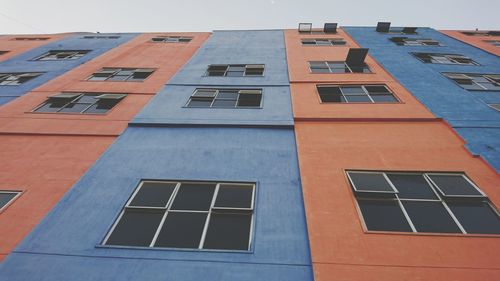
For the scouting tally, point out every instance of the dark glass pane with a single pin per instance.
(217, 68)
(52, 105)
(476, 217)
(412, 186)
(376, 89)
(118, 78)
(98, 78)
(330, 94)
(136, 227)
(141, 75)
(353, 90)
(194, 196)
(182, 230)
(235, 73)
(153, 194)
(320, 70)
(384, 98)
(75, 107)
(102, 106)
(5, 198)
(454, 185)
(205, 93)
(233, 95)
(234, 196)
(363, 98)
(249, 100)
(430, 217)
(200, 102)
(87, 99)
(383, 215)
(229, 231)
(360, 69)
(370, 182)
(224, 103)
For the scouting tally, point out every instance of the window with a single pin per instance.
(101, 37)
(196, 215)
(329, 28)
(385, 27)
(495, 43)
(476, 82)
(405, 41)
(3, 52)
(62, 55)
(172, 39)
(336, 67)
(31, 38)
(14, 79)
(423, 202)
(495, 106)
(7, 197)
(86, 103)
(235, 70)
(323, 42)
(355, 94)
(482, 33)
(121, 74)
(226, 98)
(444, 59)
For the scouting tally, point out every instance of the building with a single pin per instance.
(299, 154)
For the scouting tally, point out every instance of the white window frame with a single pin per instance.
(11, 201)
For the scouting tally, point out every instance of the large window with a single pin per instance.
(323, 42)
(63, 55)
(235, 70)
(337, 67)
(196, 215)
(406, 41)
(86, 103)
(385, 27)
(444, 59)
(172, 39)
(14, 79)
(355, 94)
(226, 98)
(476, 81)
(7, 197)
(121, 74)
(31, 38)
(423, 202)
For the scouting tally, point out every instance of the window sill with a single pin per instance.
(458, 235)
(100, 246)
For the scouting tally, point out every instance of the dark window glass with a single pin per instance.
(383, 215)
(200, 102)
(330, 94)
(74, 107)
(476, 217)
(194, 196)
(102, 106)
(370, 182)
(429, 216)
(454, 185)
(182, 230)
(234, 196)
(153, 194)
(224, 103)
(384, 98)
(412, 186)
(362, 98)
(5, 198)
(53, 105)
(228, 231)
(136, 227)
(249, 100)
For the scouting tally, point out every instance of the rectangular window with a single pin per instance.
(323, 42)
(444, 59)
(235, 70)
(355, 94)
(337, 67)
(495, 43)
(405, 41)
(423, 202)
(121, 74)
(31, 38)
(226, 98)
(172, 39)
(476, 81)
(195, 215)
(482, 33)
(14, 79)
(101, 37)
(385, 27)
(62, 55)
(85, 103)
(7, 197)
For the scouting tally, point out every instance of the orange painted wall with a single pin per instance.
(476, 41)
(44, 154)
(16, 47)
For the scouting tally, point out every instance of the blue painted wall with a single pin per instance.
(466, 111)
(51, 69)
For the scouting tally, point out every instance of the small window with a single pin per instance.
(172, 39)
(14, 79)
(31, 38)
(495, 106)
(476, 81)
(482, 33)
(196, 215)
(330, 28)
(444, 59)
(385, 27)
(405, 41)
(62, 55)
(495, 43)
(121, 74)
(7, 197)
(84, 103)
(3, 52)
(235, 70)
(336, 67)
(423, 202)
(101, 37)
(226, 98)
(324, 42)
(305, 27)
(356, 94)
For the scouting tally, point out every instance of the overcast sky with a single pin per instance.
(53, 16)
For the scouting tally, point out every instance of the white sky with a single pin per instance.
(54, 16)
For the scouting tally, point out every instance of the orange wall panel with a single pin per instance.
(476, 41)
(16, 47)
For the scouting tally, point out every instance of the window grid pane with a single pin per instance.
(121, 74)
(14, 79)
(368, 94)
(235, 70)
(475, 82)
(89, 103)
(226, 98)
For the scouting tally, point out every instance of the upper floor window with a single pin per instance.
(172, 39)
(31, 38)
(13, 79)
(226, 98)
(355, 94)
(337, 67)
(444, 59)
(423, 202)
(385, 27)
(196, 215)
(476, 81)
(85, 103)
(495, 106)
(324, 42)
(7, 197)
(235, 70)
(100, 37)
(482, 33)
(62, 55)
(329, 28)
(405, 41)
(121, 74)
(493, 42)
